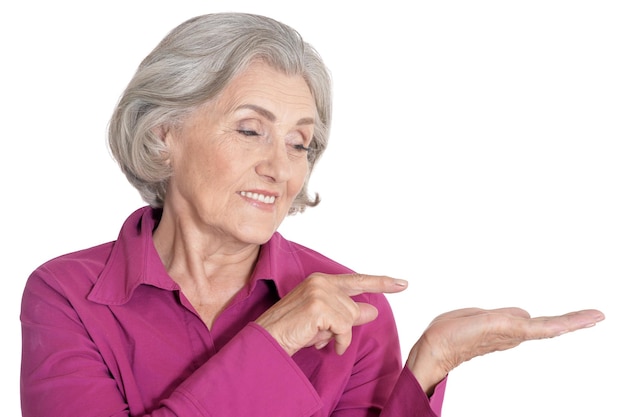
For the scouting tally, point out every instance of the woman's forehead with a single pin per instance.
(263, 88)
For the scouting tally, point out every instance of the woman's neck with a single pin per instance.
(209, 268)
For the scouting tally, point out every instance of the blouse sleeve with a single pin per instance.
(408, 398)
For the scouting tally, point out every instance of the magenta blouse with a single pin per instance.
(107, 332)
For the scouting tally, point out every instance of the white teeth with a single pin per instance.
(259, 197)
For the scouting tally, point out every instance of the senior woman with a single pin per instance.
(200, 307)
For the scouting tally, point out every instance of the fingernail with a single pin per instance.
(321, 345)
(401, 283)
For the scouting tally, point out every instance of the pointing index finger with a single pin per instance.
(354, 284)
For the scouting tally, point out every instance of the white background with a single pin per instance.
(478, 150)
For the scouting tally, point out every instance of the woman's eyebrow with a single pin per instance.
(271, 116)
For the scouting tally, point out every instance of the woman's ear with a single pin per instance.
(161, 132)
(164, 134)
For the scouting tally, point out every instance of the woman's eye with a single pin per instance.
(247, 132)
(301, 148)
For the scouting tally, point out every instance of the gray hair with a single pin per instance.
(191, 66)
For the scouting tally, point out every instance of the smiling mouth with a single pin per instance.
(267, 199)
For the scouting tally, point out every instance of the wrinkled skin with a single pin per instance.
(460, 335)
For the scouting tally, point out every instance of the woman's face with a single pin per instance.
(240, 160)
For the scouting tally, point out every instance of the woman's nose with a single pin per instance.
(275, 164)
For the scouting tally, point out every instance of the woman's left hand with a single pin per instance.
(460, 335)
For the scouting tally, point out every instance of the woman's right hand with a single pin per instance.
(320, 309)
(460, 335)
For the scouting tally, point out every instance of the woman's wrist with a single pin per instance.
(425, 366)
